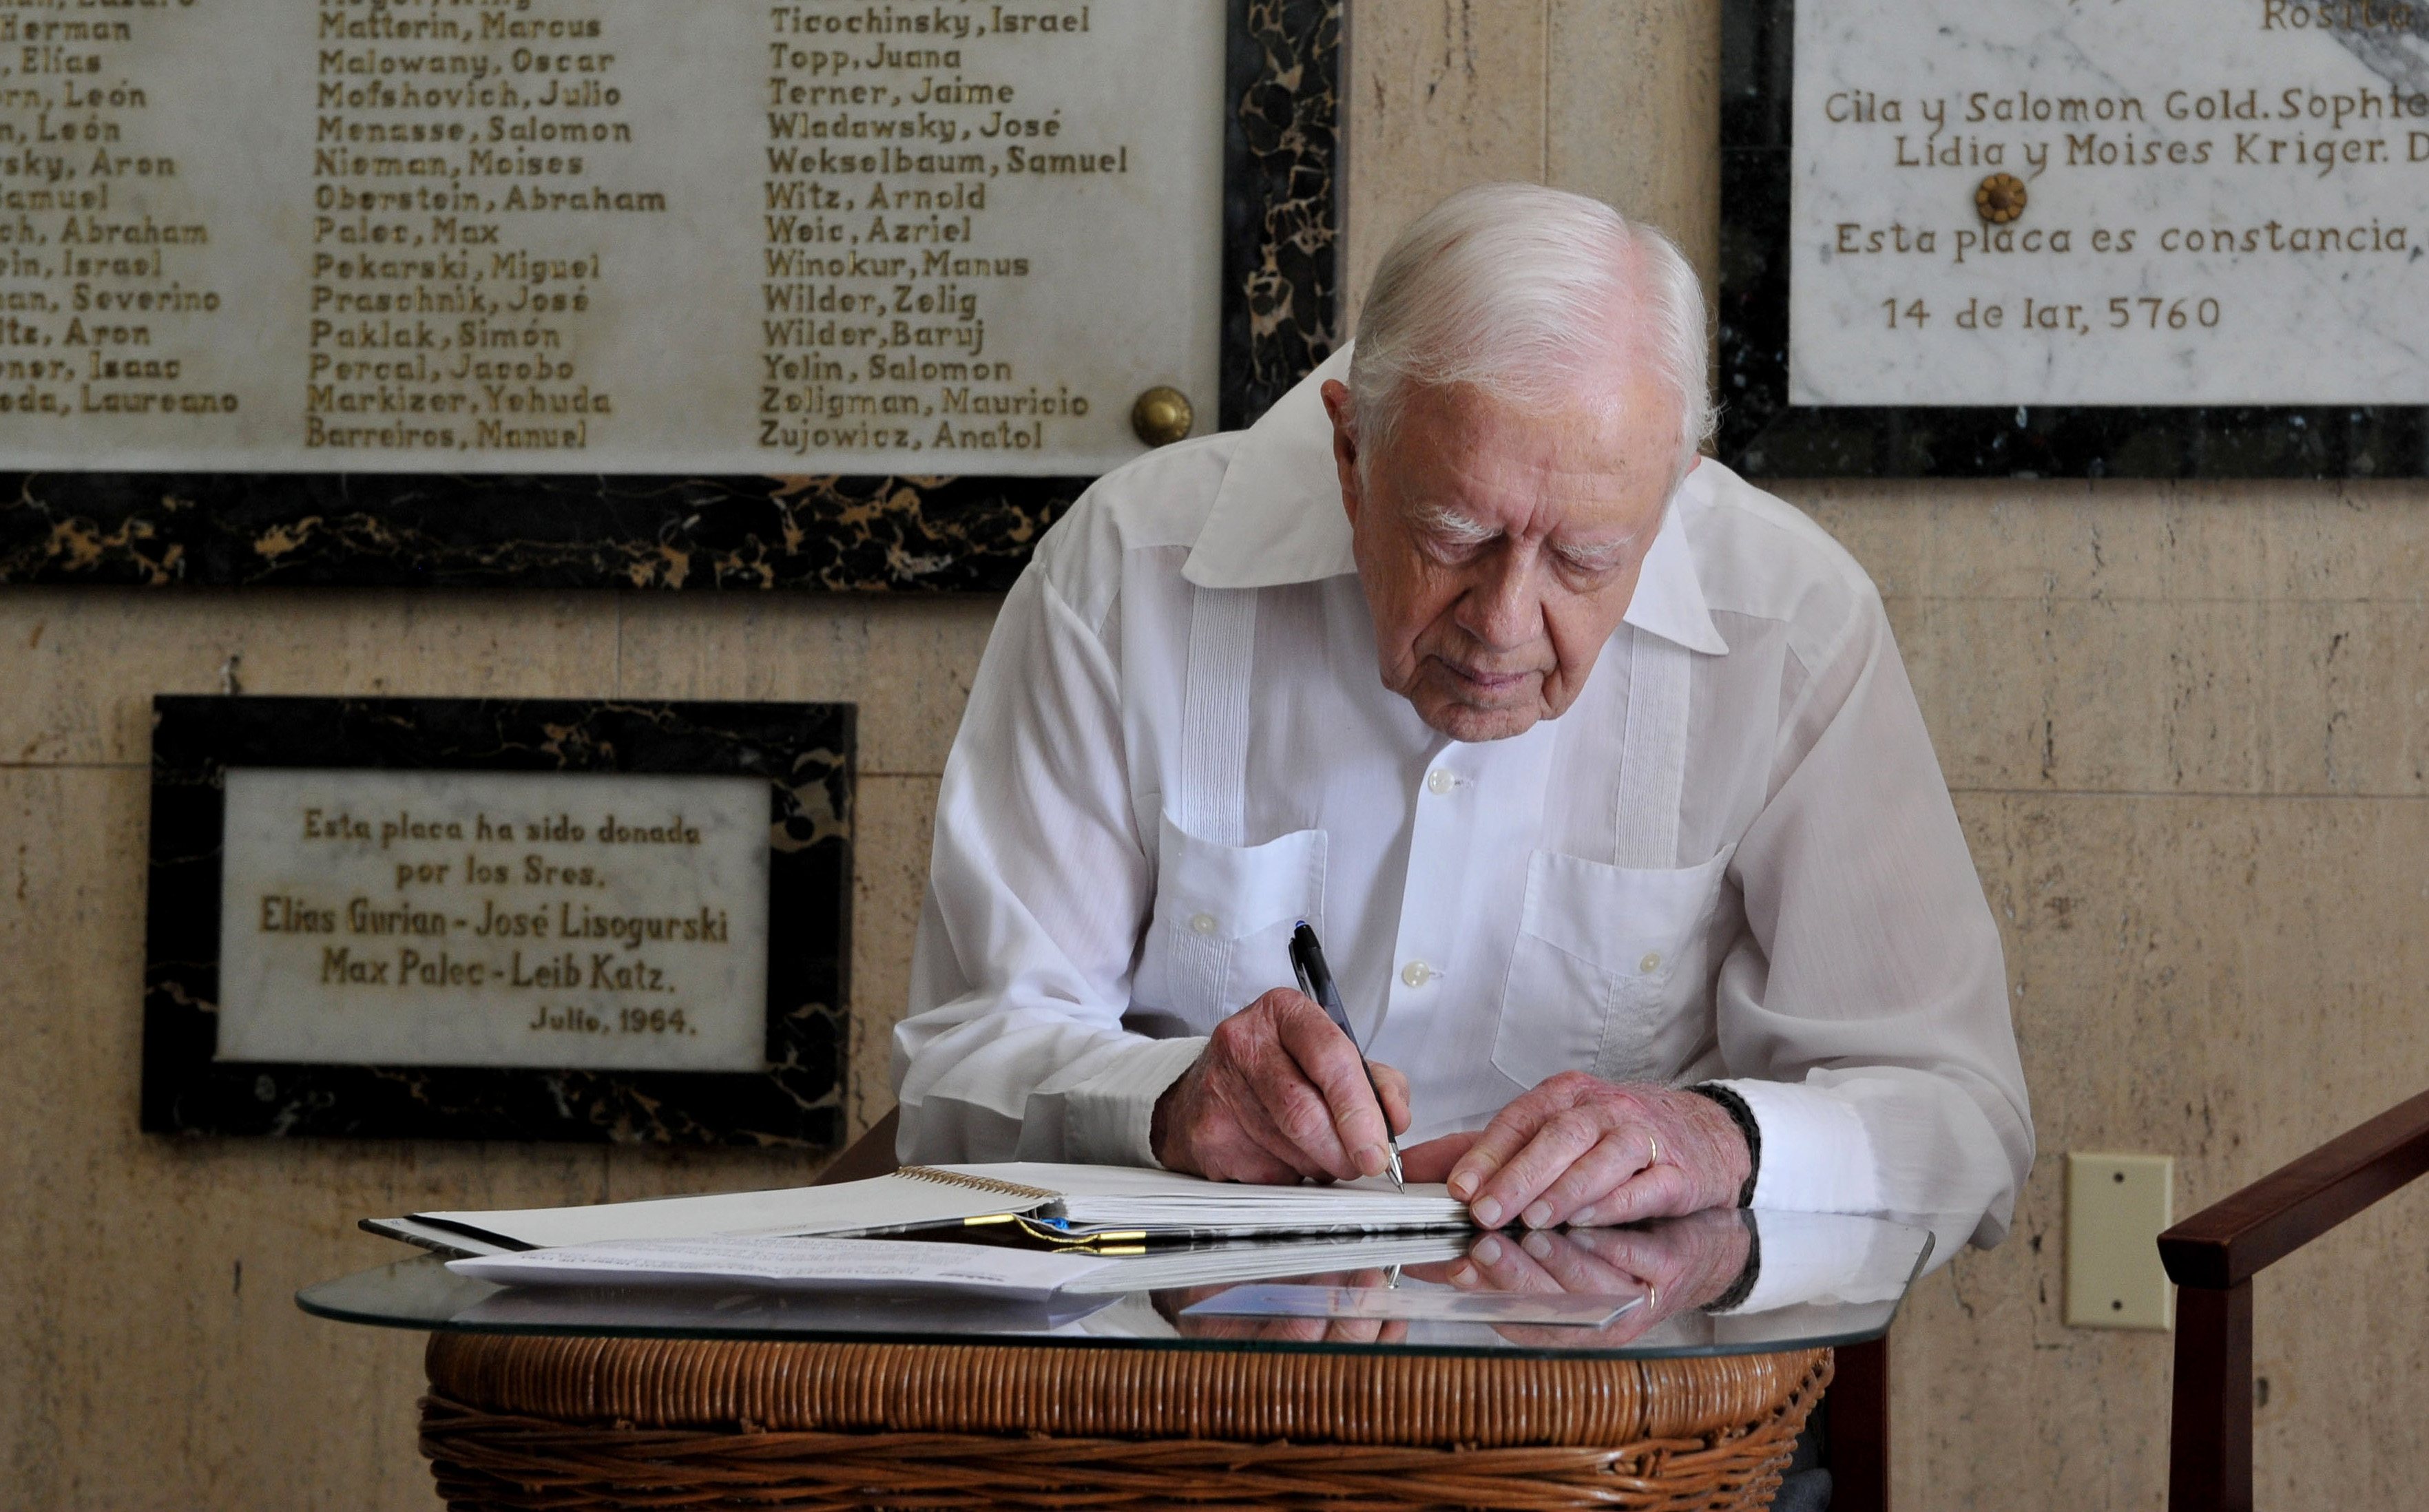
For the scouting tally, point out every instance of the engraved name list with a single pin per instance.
(503, 236)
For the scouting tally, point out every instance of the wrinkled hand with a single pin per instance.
(1582, 1152)
(1280, 1094)
(1678, 1264)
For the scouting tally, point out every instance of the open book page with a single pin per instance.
(879, 1205)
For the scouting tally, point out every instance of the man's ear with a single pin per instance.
(1345, 446)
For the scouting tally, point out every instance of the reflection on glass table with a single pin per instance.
(1721, 1282)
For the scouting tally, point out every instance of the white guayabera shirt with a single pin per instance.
(1734, 857)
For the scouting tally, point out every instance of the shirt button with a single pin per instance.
(1203, 924)
(1416, 974)
(1439, 781)
(1651, 964)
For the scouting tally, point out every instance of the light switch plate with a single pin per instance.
(2115, 1207)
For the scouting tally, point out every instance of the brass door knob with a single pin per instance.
(1162, 416)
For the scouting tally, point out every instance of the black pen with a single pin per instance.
(1316, 981)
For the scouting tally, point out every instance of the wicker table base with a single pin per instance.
(549, 1422)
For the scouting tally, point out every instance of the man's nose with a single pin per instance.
(1500, 609)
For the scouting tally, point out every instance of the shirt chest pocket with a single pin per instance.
(1608, 970)
(1220, 934)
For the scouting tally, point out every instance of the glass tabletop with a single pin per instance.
(1723, 1282)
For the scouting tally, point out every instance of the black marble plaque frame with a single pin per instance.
(803, 751)
(1764, 436)
(1280, 303)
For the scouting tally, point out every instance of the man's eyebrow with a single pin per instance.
(1593, 553)
(1453, 525)
(1460, 530)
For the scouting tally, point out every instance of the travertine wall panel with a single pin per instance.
(2190, 979)
(2360, 540)
(891, 875)
(906, 662)
(57, 708)
(2103, 713)
(2169, 638)
(2348, 685)
(1458, 90)
(157, 1357)
(2052, 540)
(1630, 113)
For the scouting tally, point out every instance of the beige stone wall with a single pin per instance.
(2188, 729)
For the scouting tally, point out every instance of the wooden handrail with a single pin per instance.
(2235, 1239)
(2215, 1253)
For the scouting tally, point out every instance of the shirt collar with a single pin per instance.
(1277, 521)
(1277, 518)
(1669, 601)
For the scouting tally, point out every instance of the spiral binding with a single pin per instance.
(988, 1184)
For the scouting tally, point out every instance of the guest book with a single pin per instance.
(1065, 1206)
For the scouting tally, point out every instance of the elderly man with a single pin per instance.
(1594, 767)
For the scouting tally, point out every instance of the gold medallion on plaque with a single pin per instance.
(2000, 199)
(1162, 416)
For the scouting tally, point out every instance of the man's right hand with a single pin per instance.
(1278, 1095)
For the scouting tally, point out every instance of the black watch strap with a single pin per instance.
(1742, 1117)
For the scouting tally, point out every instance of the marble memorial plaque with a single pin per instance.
(719, 237)
(472, 918)
(494, 919)
(2161, 203)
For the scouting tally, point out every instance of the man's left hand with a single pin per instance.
(1580, 1151)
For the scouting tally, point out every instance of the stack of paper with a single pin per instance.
(1053, 1204)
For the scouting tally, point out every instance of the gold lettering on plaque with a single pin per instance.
(563, 235)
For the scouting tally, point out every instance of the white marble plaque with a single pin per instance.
(604, 236)
(2226, 202)
(494, 919)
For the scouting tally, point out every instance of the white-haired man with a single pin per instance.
(1634, 865)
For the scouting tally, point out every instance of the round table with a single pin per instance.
(719, 1398)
